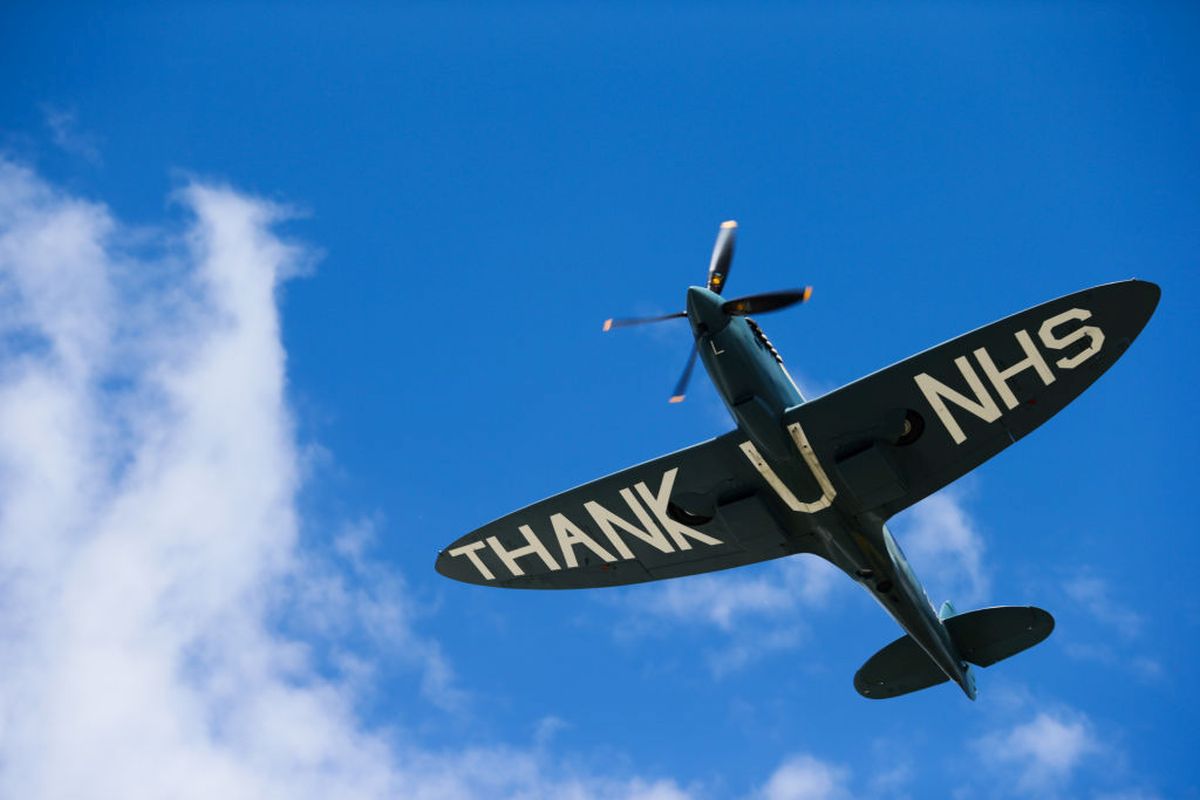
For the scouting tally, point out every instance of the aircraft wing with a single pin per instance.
(697, 510)
(898, 435)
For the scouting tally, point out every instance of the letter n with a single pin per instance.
(937, 393)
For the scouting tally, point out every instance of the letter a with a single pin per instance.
(569, 535)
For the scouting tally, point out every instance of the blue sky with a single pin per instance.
(294, 295)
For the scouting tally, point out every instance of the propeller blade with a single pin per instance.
(609, 324)
(722, 255)
(681, 387)
(767, 301)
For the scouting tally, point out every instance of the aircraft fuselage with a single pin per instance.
(757, 389)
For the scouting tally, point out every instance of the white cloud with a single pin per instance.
(1095, 596)
(945, 548)
(724, 599)
(64, 132)
(892, 780)
(1144, 667)
(804, 777)
(339, 594)
(515, 773)
(745, 649)
(547, 728)
(159, 625)
(755, 607)
(1045, 751)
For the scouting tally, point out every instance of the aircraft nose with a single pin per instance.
(704, 311)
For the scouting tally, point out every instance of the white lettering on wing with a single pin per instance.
(999, 378)
(608, 522)
(658, 504)
(569, 535)
(800, 438)
(534, 546)
(470, 551)
(979, 402)
(1094, 335)
(937, 393)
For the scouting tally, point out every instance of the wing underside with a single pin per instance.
(878, 445)
(904, 432)
(697, 510)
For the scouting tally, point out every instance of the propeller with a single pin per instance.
(629, 322)
(766, 302)
(718, 275)
(682, 384)
(722, 257)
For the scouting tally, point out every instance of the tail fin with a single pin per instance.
(981, 637)
(947, 610)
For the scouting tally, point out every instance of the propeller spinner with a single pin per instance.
(718, 275)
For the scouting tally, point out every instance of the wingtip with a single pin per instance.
(1150, 287)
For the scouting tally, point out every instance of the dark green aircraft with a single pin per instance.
(824, 476)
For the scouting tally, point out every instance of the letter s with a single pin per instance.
(1095, 337)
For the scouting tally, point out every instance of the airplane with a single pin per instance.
(822, 476)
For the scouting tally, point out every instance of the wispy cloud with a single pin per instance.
(340, 594)
(1144, 667)
(945, 548)
(1045, 751)
(1119, 627)
(64, 129)
(804, 777)
(724, 599)
(166, 632)
(1095, 596)
(516, 773)
(755, 608)
(752, 646)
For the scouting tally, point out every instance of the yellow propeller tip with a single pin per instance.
(807, 294)
(676, 399)
(608, 324)
(729, 223)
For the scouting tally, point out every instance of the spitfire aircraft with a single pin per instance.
(822, 476)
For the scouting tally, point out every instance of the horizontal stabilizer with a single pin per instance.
(897, 669)
(989, 635)
(981, 637)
